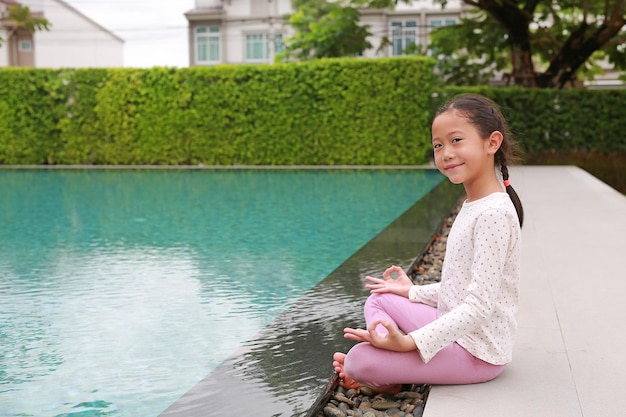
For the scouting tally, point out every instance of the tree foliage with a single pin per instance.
(325, 29)
(534, 43)
(20, 17)
(538, 43)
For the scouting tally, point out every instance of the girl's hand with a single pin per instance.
(394, 339)
(399, 285)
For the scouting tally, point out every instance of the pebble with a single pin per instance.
(365, 402)
(410, 402)
(343, 399)
(385, 405)
(331, 411)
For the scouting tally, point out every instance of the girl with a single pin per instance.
(461, 330)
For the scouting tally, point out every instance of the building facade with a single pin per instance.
(252, 31)
(73, 41)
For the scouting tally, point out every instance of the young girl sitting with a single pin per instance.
(461, 330)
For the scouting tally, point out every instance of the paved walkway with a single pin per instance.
(570, 357)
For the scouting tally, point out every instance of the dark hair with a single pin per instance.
(485, 115)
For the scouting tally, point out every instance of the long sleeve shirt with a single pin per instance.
(479, 290)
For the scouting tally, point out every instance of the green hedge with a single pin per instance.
(323, 112)
(559, 121)
(342, 111)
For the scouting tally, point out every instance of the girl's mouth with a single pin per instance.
(451, 167)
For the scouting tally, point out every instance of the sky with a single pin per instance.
(154, 31)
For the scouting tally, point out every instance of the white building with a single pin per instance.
(252, 31)
(73, 41)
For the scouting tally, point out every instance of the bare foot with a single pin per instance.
(344, 379)
(348, 383)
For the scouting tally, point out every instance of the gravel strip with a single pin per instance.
(410, 402)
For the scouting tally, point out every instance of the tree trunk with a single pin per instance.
(523, 73)
(517, 22)
(581, 44)
(579, 47)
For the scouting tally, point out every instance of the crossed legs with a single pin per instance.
(387, 370)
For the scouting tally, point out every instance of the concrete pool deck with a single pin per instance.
(568, 360)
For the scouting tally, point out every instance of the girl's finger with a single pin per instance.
(353, 337)
(379, 289)
(357, 334)
(390, 270)
(351, 331)
(387, 273)
(390, 328)
(374, 324)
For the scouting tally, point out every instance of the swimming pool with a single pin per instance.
(120, 289)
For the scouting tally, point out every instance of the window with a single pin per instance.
(258, 47)
(25, 46)
(403, 35)
(437, 23)
(279, 43)
(208, 45)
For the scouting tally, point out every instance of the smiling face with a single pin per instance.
(461, 154)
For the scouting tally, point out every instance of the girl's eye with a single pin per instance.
(437, 145)
(455, 140)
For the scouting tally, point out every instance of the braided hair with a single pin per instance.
(485, 115)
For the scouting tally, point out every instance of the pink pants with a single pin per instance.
(378, 367)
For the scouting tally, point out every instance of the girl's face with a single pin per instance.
(460, 153)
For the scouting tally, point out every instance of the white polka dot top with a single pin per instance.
(479, 290)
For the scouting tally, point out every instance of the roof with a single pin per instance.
(74, 10)
(89, 19)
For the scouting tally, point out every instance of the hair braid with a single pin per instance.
(517, 203)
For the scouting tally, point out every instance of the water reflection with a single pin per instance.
(119, 290)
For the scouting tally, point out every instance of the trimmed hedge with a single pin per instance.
(323, 112)
(335, 112)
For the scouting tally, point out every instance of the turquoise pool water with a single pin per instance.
(120, 289)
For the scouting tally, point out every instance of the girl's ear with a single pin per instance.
(494, 141)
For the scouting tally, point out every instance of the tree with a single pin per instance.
(325, 29)
(565, 37)
(20, 17)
